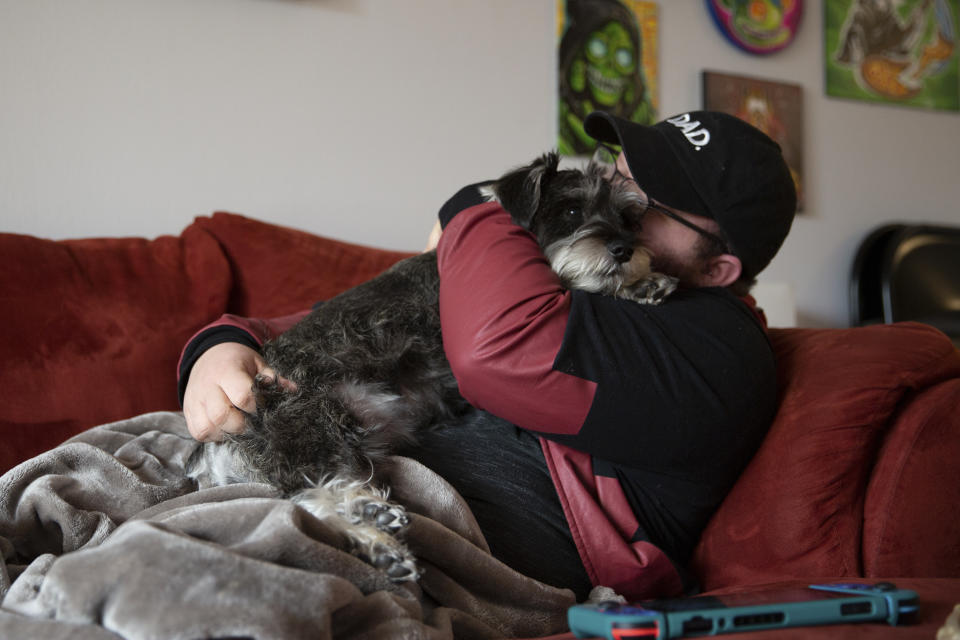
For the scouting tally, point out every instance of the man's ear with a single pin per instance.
(721, 271)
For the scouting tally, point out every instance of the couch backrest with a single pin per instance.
(278, 270)
(93, 328)
(862, 413)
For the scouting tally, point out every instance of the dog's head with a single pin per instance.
(586, 224)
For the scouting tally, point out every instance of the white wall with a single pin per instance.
(357, 118)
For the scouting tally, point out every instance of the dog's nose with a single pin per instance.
(620, 250)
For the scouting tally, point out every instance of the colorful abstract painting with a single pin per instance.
(902, 52)
(757, 26)
(776, 108)
(607, 62)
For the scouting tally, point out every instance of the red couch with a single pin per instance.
(859, 476)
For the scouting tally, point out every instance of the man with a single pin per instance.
(619, 427)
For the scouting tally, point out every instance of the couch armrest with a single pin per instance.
(911, 524)
(798, 509)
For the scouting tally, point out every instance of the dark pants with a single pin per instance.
(500, 471)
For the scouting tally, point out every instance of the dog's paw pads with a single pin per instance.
(398, 566)
(384, 516)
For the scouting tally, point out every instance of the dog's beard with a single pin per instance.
(583, 262)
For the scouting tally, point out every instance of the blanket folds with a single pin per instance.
(105, 537)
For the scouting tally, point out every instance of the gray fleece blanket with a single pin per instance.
(104, 537)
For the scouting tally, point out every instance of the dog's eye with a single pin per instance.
(574, 212)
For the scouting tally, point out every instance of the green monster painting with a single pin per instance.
(600, 69)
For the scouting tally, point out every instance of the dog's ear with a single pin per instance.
(519, 190)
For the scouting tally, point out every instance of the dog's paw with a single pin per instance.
(395, 561)
(651, 290)
(387, 517)
(375, 525)
(365, 505)
(357, 502)
(368, 527)
(381, 550)
(370, 523)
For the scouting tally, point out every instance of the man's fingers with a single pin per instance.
(197, 423)
(220, 391)
(434, 238)
(238, 391)
(268, 374)
(224, 416)
(265, 373)
(215, 417)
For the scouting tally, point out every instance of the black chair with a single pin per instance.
(908, 272)
(866, 306)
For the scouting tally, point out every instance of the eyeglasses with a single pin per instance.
(606, 157)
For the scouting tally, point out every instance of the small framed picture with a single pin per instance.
(776, 108)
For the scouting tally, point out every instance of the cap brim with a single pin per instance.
(653, 162)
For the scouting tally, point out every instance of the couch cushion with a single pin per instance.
(278, 270)
(798, 508)
(93, 329)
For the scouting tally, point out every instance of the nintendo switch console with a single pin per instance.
(818, 604)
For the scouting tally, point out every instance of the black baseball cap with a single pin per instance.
(714, 165)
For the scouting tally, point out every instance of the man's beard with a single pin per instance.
(687, 272)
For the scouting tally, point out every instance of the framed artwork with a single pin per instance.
(901, 53)
(757, 26)
(607, 62)
(776, 108)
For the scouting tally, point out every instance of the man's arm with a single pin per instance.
(504, 313)
(217, 369)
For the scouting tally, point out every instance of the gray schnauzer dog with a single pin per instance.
(369, 368)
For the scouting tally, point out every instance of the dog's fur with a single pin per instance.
(370, 370)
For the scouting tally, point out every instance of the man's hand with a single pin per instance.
(434, 238)
(220, 388)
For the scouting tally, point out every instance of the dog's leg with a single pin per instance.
(214, 464)
(369, 522)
